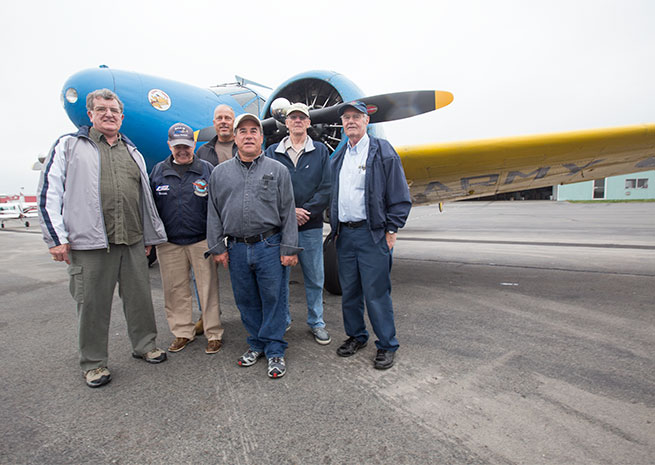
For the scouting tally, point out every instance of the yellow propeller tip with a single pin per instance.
(442, 98)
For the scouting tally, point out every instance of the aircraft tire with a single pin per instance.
(152, 257)
(27, 224)
(330, 267)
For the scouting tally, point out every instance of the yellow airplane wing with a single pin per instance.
(459, 170)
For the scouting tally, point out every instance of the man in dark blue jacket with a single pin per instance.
(308, 162)
(180, 186)
(370, 202)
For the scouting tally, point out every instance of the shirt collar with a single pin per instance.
(285, 144)
(97, 136)
(257, 158)
(356, 150)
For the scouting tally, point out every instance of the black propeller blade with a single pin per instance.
(381, 108)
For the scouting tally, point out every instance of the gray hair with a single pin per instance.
(104, 94)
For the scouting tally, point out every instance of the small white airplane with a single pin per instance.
(9, 211)
(18, 209)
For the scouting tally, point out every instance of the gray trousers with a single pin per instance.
(93, 277)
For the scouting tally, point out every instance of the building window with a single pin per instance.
(641, 183)
(599, 189)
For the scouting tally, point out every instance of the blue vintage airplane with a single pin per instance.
(435, 172)
(153, 104)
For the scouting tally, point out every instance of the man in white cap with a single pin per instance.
(308, 162)
(251, 205)
(180, 186)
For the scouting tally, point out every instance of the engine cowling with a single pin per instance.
(316, 89)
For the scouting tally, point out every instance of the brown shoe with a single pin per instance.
(179, 343)
(198, 328)
(213, 346)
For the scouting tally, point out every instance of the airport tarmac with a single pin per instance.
(527, 334)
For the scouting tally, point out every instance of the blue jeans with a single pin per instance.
(311, 262)
(260, 283)
(364, 274)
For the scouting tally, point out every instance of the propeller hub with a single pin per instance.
(279, 108)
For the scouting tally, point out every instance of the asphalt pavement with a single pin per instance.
(527, 334)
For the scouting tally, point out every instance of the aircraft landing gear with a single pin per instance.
(330, 267)
(152, 257)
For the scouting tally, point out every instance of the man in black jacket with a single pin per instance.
(180, 186)
(220, 147)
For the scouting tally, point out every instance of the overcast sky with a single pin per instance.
(514, 67)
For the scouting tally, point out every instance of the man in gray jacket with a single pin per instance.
(97, 214)
(251, 204)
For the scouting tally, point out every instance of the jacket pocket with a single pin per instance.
(76, 285)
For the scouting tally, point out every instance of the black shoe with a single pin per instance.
(383, 359)
(350, 347)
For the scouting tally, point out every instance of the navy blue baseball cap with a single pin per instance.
(356, 104)
(180, 133)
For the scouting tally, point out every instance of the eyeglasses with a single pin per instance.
(300, 117)
(113, 110)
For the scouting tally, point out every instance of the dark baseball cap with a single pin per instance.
(180, 133)
(356, 104)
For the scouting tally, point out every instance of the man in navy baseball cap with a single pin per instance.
(355, 104)
(370, 203)
(180, 133)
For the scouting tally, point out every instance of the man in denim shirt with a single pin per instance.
(251, 205)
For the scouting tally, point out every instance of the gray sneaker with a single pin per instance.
(321, 335)
(276, 367)
(249, 358)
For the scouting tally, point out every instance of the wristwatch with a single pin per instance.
(391, 232)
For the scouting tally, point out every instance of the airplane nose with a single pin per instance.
(76, 88)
